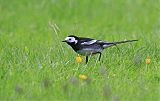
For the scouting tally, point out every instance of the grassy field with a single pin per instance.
(35, 65)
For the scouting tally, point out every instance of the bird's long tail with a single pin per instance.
(108, 44)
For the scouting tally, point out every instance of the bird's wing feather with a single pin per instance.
(82, 39)
(104, 43)
(87, 41)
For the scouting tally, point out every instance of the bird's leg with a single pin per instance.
(86, 59)
(100, 56)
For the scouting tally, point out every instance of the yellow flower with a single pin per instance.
(79, 59)
(83, 77)
(148, 60)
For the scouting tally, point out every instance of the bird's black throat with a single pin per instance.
(74, 46)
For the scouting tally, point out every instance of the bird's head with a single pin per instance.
(71, 40)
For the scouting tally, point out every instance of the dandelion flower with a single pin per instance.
(79, 59)
(83, 77)
(148, 60)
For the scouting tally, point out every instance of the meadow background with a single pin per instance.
(35, 65)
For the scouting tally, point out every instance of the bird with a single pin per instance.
(89, 46)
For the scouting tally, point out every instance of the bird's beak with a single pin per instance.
(64, 41)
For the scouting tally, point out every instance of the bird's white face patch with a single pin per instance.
(71, 40)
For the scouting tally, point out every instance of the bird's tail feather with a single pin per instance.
(108, 44)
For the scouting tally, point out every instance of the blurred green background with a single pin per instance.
(35, 65)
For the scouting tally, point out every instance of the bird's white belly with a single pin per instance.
(88, 51)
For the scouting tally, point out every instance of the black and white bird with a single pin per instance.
(88, 46)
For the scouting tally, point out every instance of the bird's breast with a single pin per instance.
(88, 51)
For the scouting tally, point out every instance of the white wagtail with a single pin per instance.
(89, 46)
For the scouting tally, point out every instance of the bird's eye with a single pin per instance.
(69, 39)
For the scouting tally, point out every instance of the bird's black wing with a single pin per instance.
(86, 41)
(89, 41)
(82, 39)
(104, 43)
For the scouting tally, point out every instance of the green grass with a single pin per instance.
(33, 65)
